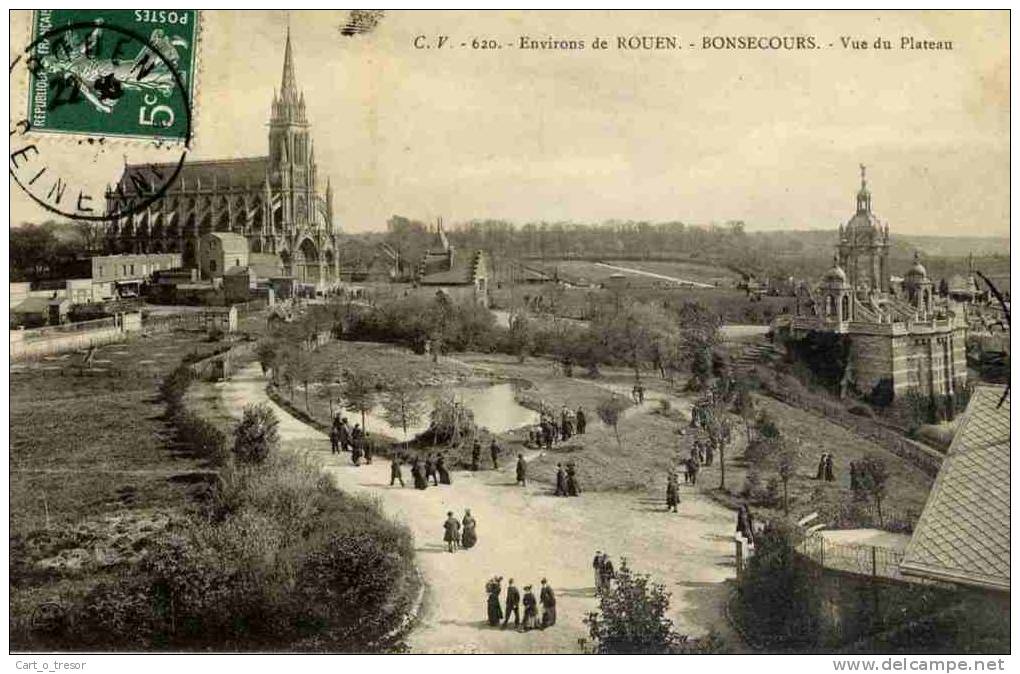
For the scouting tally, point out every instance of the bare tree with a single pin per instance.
(610, 410)
(403, 406)
(359, 392)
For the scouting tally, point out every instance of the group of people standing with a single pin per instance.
(531, 619)
(460, 534)
(825, 471)
(433, 467)
(476, 454)
(604, 572)
(566, 480)
(549, 430)
(343, 438)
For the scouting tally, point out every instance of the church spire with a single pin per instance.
(863, 195)
(288, 85)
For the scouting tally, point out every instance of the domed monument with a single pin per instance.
(899, 339)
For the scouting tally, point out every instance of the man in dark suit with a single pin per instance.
(494, 453)
(522, 471)
(513, 603)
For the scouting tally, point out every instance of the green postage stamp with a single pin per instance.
(126, 73)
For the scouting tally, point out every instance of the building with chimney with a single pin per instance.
(273, 201)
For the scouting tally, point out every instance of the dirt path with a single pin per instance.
(527, 534)
(641, 272)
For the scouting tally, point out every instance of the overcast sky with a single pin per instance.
(771, 138)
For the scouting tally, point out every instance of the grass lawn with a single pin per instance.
(90, 464)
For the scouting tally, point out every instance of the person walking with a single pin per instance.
(561, 481)
(494, 454)
(672, 492)
(548, 599)
(693, 469)
(451, 531)
(829, 477)
(530, 610)
(608, 573)
(334, 439)
(344, 432)
(430, 470)
(573, 489)
(582, 421)
(469, 533)
(522, 471)
(395, 471)
(513, 604)
(820, 475)
(444, 474)
(368, 447)
(476, 455)
(492, 607)
(418, 474)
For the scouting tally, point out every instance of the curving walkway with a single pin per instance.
(527, 534)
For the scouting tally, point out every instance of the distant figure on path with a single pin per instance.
(494, 454)
(395, 471)
(692, 471)
(582, 421)
(744, 526)
(522, 471)
(356, 434)
(345, 435)
(672, 492)
(572, 487)
(828, 468)
(469, 535)
(430, 470)
(607, 572)
(561, 481)
(820, 475)
(418, 473)
(548, 599)
(334, 440)
(513, 604)
(596, 567)
(451, 531)
(356, 453)
(492, 607)
(476, 455)
(368, 448)
(444, 474)
(530, 610)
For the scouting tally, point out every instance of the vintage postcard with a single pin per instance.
(511, 332)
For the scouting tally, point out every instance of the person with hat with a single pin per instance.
(530, 610)
(548, 600)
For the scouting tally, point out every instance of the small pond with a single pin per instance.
(494, 408)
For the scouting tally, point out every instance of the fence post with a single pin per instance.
(740, 557)
(821, 551)
(874, 561)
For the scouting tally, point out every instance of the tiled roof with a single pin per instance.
(963, 534)
(244, 171)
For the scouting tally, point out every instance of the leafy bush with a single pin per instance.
(632, 620)
(201, 438)
(257, 435)
(861, 411)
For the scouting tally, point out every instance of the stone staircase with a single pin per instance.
(758, 352)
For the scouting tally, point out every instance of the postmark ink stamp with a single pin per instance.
(96, 78)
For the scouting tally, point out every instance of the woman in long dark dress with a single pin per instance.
(572, 487)
(430, 470)
(468, 536)
(672, 492)
(828, 468)
(418, 473)
(821, 467)
(444, 474)
(493, 607)
(530, 621)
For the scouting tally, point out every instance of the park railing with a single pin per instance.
(862, 560)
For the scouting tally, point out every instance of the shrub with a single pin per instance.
(778, 596)
(257, 435)
(861, 411)
(201, 438)
(174, 386)
(632, 620)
